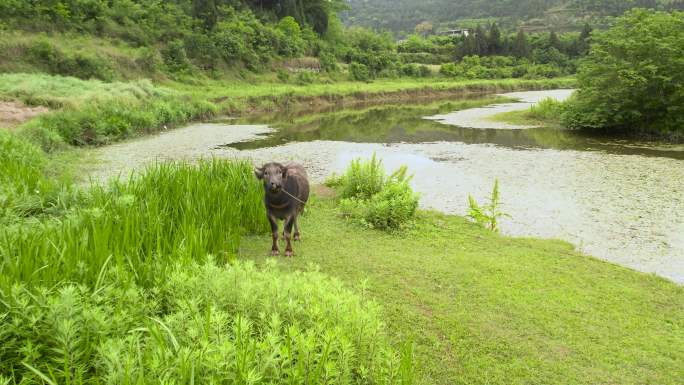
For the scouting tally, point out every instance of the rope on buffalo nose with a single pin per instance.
(292, 196)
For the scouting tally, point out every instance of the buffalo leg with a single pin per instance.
(297, 236)
(274, 232)
(287, 230)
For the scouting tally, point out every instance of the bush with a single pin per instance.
(306, 77)
(359, 72)
(362, 180)
(328, 61)
(374, 199)
(44, 54)
(175, 57)
(202, 324)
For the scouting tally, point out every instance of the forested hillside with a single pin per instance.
(404, 15)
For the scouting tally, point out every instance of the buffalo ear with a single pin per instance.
(259, 172)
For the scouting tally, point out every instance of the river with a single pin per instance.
(618, 200)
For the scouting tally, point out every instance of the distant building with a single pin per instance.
(465, 32)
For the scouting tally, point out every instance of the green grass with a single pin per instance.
(488, 309)
(546, 113)
(172, 212)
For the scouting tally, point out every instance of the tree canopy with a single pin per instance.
(624, 86)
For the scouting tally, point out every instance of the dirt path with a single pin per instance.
(13, 113)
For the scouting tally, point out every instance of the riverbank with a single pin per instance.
(606, 200)
(489, 309)
(480, 308)
(96, 113)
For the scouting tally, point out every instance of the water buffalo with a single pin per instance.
(287, 190)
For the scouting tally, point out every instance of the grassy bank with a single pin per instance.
(489, 309)
(95, 112)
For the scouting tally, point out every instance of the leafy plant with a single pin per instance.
(374, 199)
(201, 323)
(487, 215)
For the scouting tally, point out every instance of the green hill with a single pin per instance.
(404, 15)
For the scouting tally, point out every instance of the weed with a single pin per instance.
(203, 324)
(487, 215)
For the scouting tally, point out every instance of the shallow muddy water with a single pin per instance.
(618, 200)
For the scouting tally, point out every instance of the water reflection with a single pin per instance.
(406, 124)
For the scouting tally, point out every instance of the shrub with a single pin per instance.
(424, 71)
(362, 180)
(359, 72)
(46, 55)
(306, 77)
(328, 61)
(449, 69)
(283, 75)
(374, 199)
(201, 324)
(175, 57)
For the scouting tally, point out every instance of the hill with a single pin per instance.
(404, 15)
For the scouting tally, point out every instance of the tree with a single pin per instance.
(583, 40)
(554, 42)
(521, 46)
(481, 41)
(494, 40)
(631, 81)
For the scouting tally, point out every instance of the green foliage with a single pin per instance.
(631, 80)
(359, 72)
(362, 179)
(25, 189)
(52, 60)
(96, 113)
(328, 61)
(171, 212)
(405, 15)
(487, 215)
(200, 324)
(502, 67)
(548, 109)
(375, 199)
(175, 57)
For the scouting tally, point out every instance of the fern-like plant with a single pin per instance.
(487, 215)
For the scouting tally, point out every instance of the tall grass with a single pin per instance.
(548, 109)
(174, 211)
(25, 189)
(95, 112)
(202, 324)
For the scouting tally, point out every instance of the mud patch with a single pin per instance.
(14, 113)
